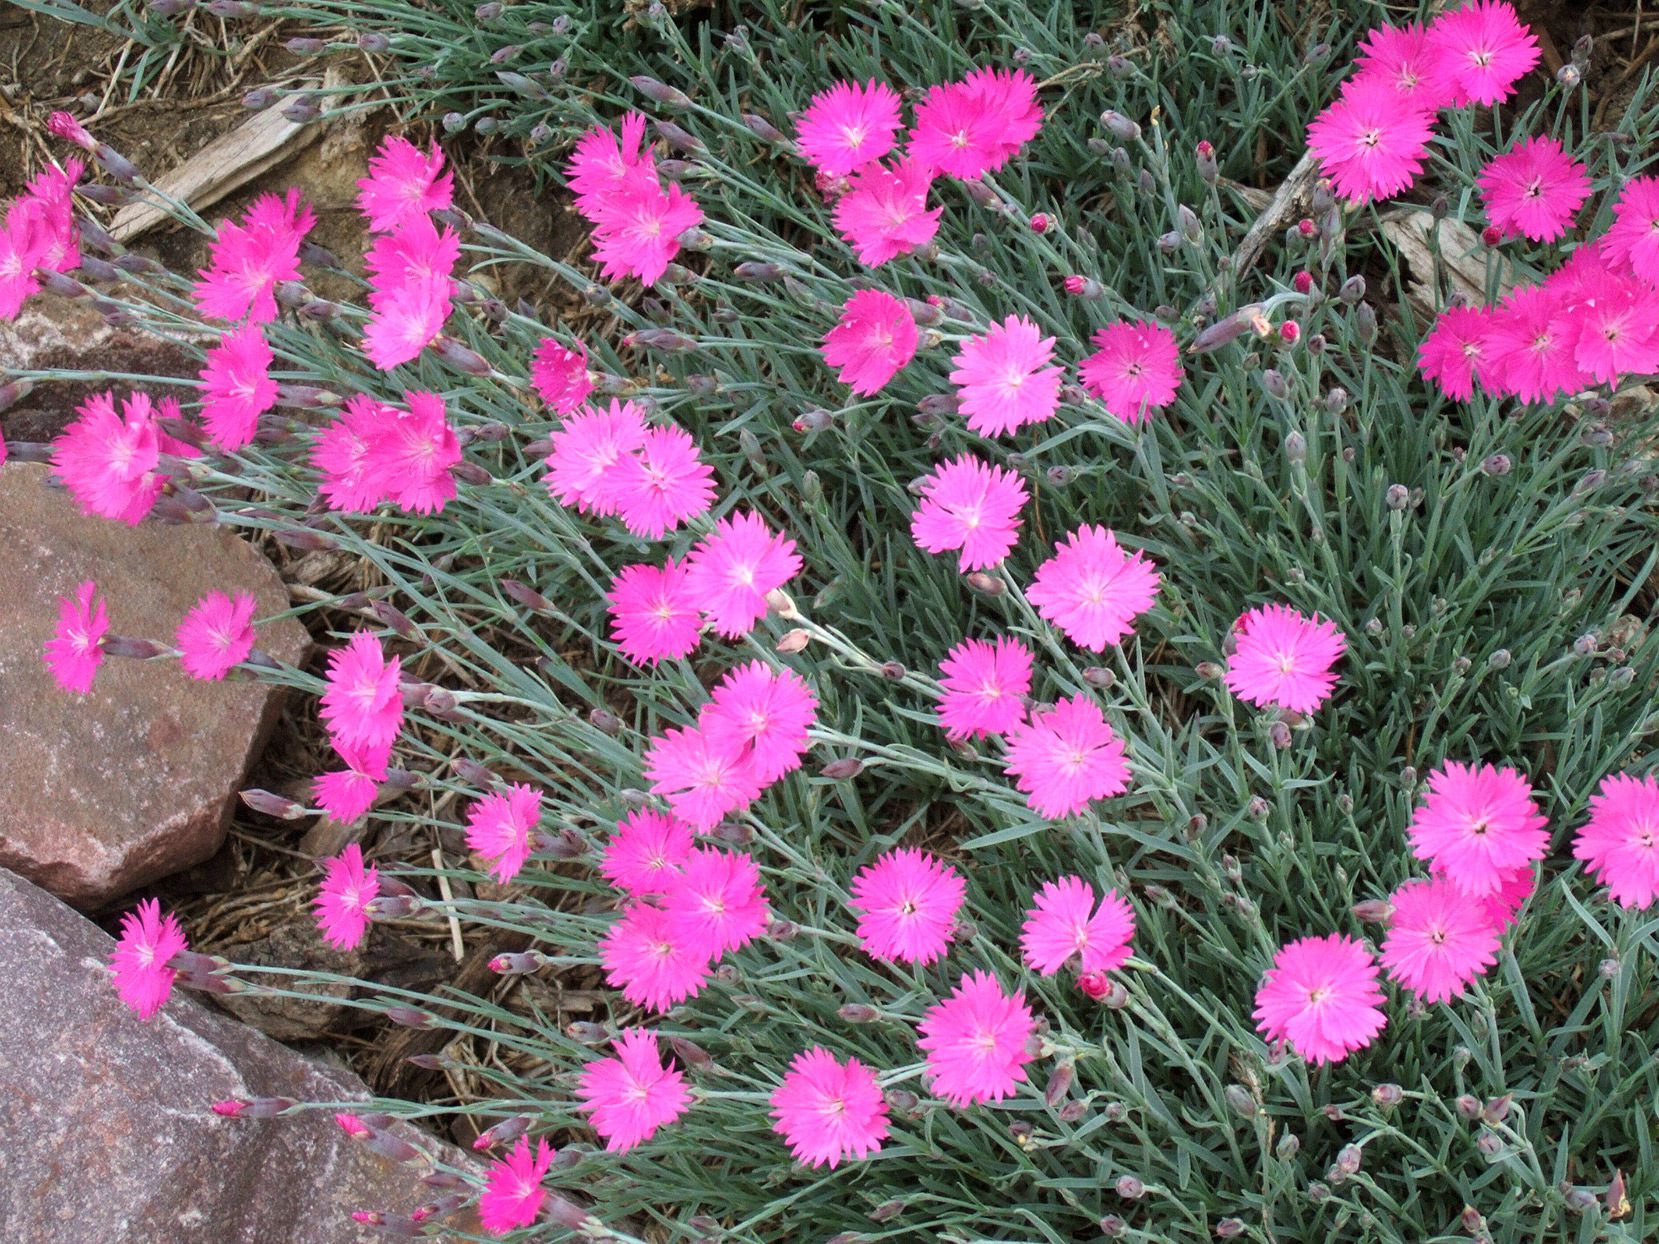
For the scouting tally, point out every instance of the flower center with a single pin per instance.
(854, 135)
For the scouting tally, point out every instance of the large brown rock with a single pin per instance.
(109, 1138)
(106, 792)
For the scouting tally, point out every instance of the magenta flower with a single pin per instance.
(1321, 997)
(363, 705)
(1620, 841)
(39, 233)
(108, 461)
(342, 456)
(1093, 588)
(1530, 341)
(983, 687)
(702, 782)
(147, 943)
(1633, 238)
(906, 903)
(499, 827)
(1065, 925)
(249, 259)
(969, 505)
(874, 338)
(969, 128)
(237, 387)
(848, 126)
(1005, 378)
(629, 1096)
(513, 1194)
(717, 902)
(647, 852)
(1613, 324)
(976, 1041)
(1438, 941)
(1515, 886)
(661, 484)
(1534, 190)
(1478, 823)
(403, 182)
(410, 290)
(1135, 369)
(650, 965)
(408, 456)
(560, 375)
(216, 635)
(1284, 658)
(342, 901)
(1484, 49)
(587, 449)
(885, 213)
(1368, 143)
(1402, 57)
(1457, 353)
(829, 1110)
(732, 569)
(76, 651)
(1066, 757)
(346, 794)
(637, 230)
(654, 615)
(602, 164)
(762, 715)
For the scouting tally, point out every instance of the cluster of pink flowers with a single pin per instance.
(608, 462)
(110, 459)
(375, 452)
(39, 233)
(637, 223)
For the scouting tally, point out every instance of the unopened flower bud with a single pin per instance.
(1120, 126)
(527, 596)
(1208, 670)
(812, 421)
(1085, 287)
(1113, 1227)
(1241, 1101)
(1094, 984)
(1040, 223)
(1288, 1147)
(273, 805)
(1274, 382)
(605, 721)
(1208, 171)
(660, 92)
(518, 963)
(839, 770)
(1129, 1188)
(989, 585)
(1397, 496)
(1229, 1229)
(763, 129)
(793, 641)
(502, 1133)
(1059, 1084)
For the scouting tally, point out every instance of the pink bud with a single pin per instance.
(1040, 223)
(1302, 282)
(793, 641)
(1491, 235)
(1373, 911)
(64, 126)
(1307, 228)
(230, 1108)
(1290, 332)
(503, 1133)
(353, 1126)
(1095, 984)
(273, 805)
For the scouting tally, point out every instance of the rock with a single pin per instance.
(292, 1019)
(109, 1136)
(107, 792)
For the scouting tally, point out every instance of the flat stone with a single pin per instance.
(107, 792)
(109, 1135)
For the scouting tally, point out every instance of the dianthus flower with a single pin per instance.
(1284, 658)
(1438, 940)
(237, 387)
(1135, 369)
(1457, 352)
(848, 126)
(1093, 588)
(1066, 757)
(976, 1041)
(499, 827)
(20, 252)
(731, 570)
(410, 290)
(1065, 925)
(1478, 823)
(216, 635)
(76, 651)
(601, 164)
(646, 853)
(1529, 340)
(513, 1194)
(661, 484)
(559, 375)
(108, 460)
(650, 965)
(342, 900)
(874, 338)
(983, 687)
(1633, 238)
(906, 903)
(346, 794)
(763, 715)
(1005, 379)
(717, 902)
(408, 323)
(39, 233)
(1613, 326)
(1321, 996)
(148, 941)
(701, 782)
(1515, 886)
(829, 1110)
(631, 1094)
(654, 614)
(587, 449)
(968, 128)
(1484, 49)
(403, 182)
(1368, 143)
(969, 505)
(1620, 841)
(342, 456)
(885, 213)
(248, 260)
(1534, 189)
(363, 705)
(409, 455)
(1402, 57)
(637, 230)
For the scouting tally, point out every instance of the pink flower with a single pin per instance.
(1438, 941)
(631, 1095)
(1284, 658)
(1485, 50)
(848, 126)
(762, 715)
(403, 181)
(1528, 339)
(976, 1041)
(409, 288)
(363, 705)
(1402, 57)
(970, 506)
(560, 375)
(1620, 841)
(907, 902)
(969, 128)
(654, 615)
(732, 569)
(1457, 352)
(1065, 925)
(343, 457)
(646, 853)
(216, 635)
(1515, 886)
(148, 941)
(499, 827)
(1065, 757)
(342, 900)
(408, 324)
(1134, 370)
(1478, 823)
(1321, 996)
(717, 902)
(1633, 238)
(40, 232)
(1613, 323)
(828, 1110)
(874, 338)
(513, 1194)
(587, 449)
(601, 164)
(248, 260)
(1005, 379)
(76, 651)
(1093, 589)
(409, 455)
(983, 687)
(237, 387)
(884, 214)
(1368, 142)
(346, 794)
(650, 965)
(108, 460)
(661, 484)
(701, 782)
(637, 229)
(1534, 189)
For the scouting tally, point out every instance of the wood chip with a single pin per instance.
(1463, 258)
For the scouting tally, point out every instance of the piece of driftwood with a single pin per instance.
(1463, 257)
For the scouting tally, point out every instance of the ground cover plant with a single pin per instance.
(1044, 726)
